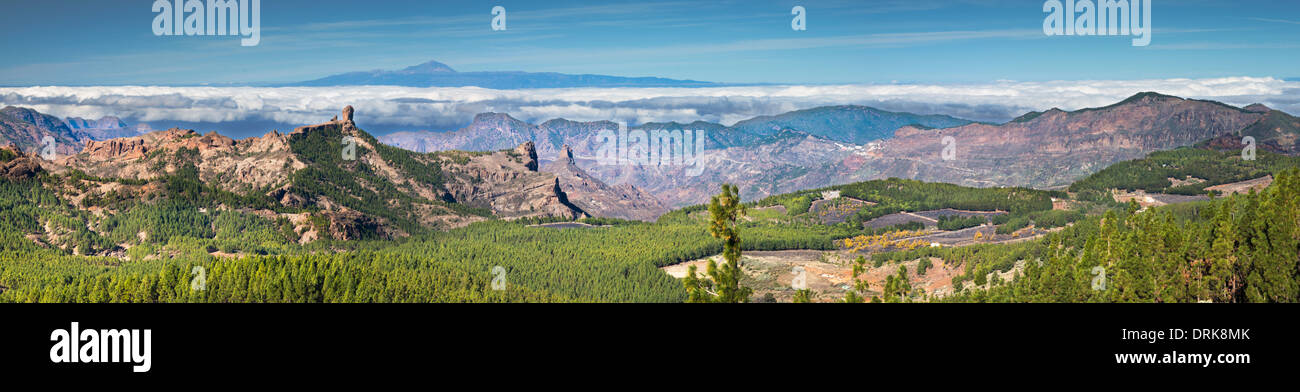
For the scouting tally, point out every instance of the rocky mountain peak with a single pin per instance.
(566, 155)
(594, 196)
(528, 151)
(32, 116)
(346, 121)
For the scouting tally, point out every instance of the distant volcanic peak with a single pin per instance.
(428, 67)
(436, 74)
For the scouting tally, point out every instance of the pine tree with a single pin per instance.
(855, 294)
(802, 296)
(725, 210)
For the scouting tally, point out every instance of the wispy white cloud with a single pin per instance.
(1271, 20)
(1225, 46)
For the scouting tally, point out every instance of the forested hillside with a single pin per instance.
(247, 258)
(1203, 167)
(188, 241)
(1243, 248)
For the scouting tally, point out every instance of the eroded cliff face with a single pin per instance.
(26, 129)
(784, 162)
(241, 166)
(1276, 132)
(1042, 150)
(599, 199)
(1054, 148)
(15, 166)
(505, 182)
(508, 183)
(421, 190)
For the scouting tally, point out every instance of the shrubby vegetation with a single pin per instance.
(898, 195)
(895, 195)
(956, 222)
(798, 205)
(1040, 219)
(911, 195)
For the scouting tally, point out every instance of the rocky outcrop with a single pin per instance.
(509, 184)
(270, 142)
(352, 225)
(15, 166)
(236, 165)
(625, 201)
(346, 124)
(395, 195)
(528, 151)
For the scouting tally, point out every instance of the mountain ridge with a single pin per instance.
(1039, 149)
(436, 74)
(854, 124)
(333, 171)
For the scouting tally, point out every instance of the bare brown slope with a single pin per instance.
(26, 128)
(1276, 131)
(1056, 147)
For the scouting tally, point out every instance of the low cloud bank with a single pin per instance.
(248, 111)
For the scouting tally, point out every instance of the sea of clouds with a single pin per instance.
(249, 111)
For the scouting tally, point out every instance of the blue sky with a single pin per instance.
(909, 41)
